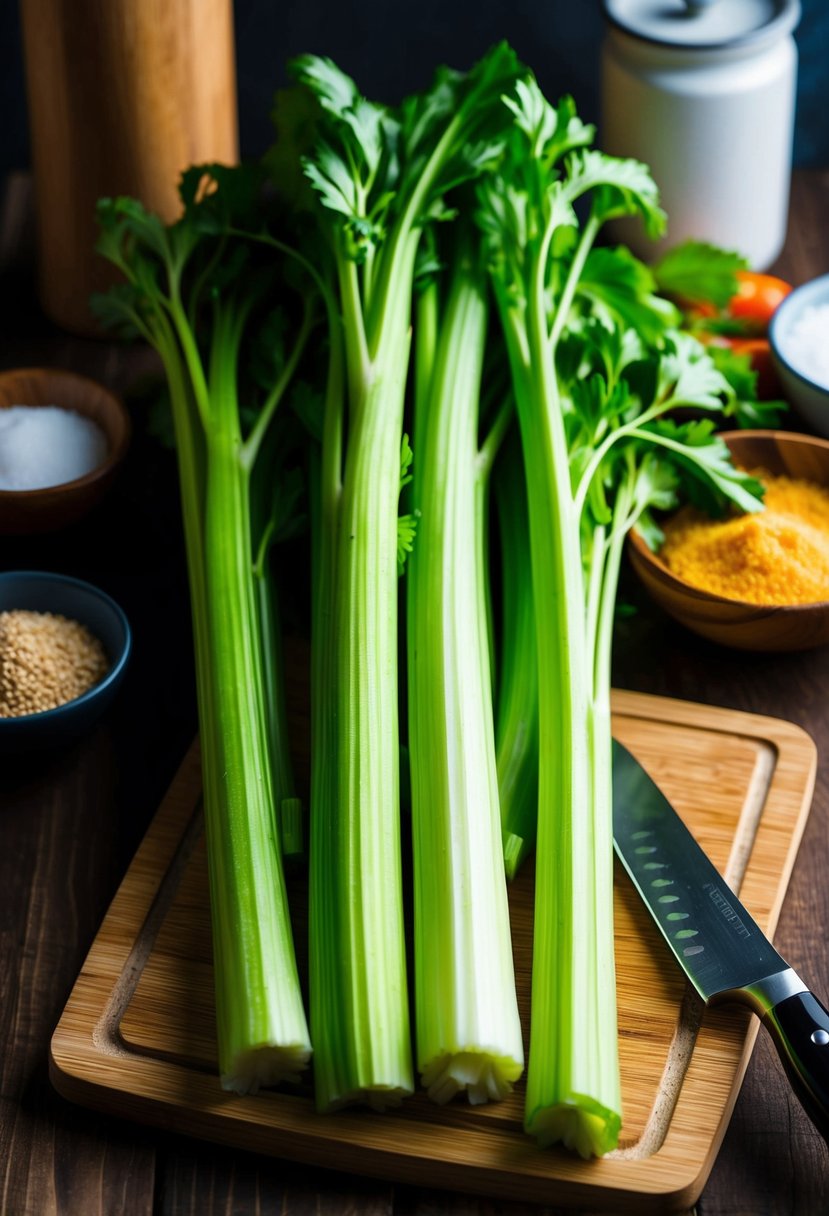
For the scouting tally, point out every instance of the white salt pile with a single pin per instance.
(807, 344)
(46, 445)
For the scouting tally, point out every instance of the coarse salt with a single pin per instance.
(46, 445)
(807, 344)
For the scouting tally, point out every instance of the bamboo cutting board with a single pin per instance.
(137, 1036)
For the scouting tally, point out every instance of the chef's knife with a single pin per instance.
(713, 938)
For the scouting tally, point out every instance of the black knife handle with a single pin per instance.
(799, 1025)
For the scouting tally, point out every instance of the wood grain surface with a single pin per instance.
(71, 823)
(137, 1037)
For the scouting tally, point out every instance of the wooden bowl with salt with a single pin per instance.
(50, 507)
(735, 622)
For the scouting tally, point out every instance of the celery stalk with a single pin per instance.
(260, 1016)
(359, 1012)
(516, 723)
(289, 809)
(262, 1032)
(468, 1028)
(573, 1088)
(573, 1091)
(596, 364)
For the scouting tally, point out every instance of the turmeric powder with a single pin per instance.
(779, 555)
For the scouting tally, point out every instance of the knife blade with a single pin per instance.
(712, 936)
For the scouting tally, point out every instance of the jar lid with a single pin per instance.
(704, 24)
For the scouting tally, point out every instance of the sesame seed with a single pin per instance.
(46, 660)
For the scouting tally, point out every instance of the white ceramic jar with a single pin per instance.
(704, 94)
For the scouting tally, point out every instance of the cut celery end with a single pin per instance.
(356, 1063)
(378, 1097)
(580, 1124)
(266, 1065)
(516, 849)
(483, 1076)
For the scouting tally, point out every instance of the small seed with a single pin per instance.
(45, 660)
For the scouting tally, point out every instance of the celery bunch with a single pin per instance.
(469, 215)
(378, 178)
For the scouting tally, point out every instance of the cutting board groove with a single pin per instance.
(137, 1037)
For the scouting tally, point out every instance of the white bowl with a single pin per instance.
(806, 393)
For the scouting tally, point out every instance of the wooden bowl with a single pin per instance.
(731, 622)
(53, 507)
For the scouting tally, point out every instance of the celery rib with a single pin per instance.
(359, 1002)
(262, 1031)
(261, 1027)
(517, 706)
(573, 1088)
(467, 1023)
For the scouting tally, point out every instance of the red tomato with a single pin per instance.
(748, 312)
(758, 295)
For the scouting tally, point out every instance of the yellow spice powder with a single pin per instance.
(45, 661)
(779, 555)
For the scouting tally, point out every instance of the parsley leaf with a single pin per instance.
(698, 272)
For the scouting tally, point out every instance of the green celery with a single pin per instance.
(540, 255)
(377, 178)
(572, 1081)
(467, 1022)
(516, 726)
(178, 298)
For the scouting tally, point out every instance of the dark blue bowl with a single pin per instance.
(37, 591)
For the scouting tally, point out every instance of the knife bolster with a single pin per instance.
(764, 994)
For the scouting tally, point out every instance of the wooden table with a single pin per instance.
(70, 823)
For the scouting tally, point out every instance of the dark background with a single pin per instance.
(392, 48)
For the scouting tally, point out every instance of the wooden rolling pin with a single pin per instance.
(123, 95)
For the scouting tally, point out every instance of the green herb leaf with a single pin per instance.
(689, 377)
(620, 188)
(621, 288)
(696, 272)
